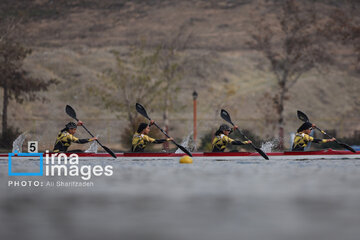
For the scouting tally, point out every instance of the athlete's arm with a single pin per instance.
(316, 140)
(236, 142)
(158, 141)
(81, 141)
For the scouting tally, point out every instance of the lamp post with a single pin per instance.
(195, 95)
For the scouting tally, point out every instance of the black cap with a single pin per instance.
(222, 128)
(142, 126)
(304, 126)
(71, 125)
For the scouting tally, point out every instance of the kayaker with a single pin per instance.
(302, 137)
(66, 137)
(221, 139)
(141, 138)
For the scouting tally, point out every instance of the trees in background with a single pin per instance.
(291, 46)
(135, 78)
(16, 83)
(171, 69)
(148, 75)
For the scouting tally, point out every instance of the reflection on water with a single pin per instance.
(161, 199)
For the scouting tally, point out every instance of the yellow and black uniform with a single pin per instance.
(64, 140)
(220, 141)
(301, 140)
(140, 141)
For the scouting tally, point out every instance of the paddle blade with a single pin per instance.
(109, 151)
(302, 116)
(140, 109)
(70, 111)
(226, 116)
(347, 147)
(261, 152)
(183, 149)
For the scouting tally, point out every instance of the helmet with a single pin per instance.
(225, 127)
(71, 125)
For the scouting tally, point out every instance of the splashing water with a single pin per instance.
(187, 143)
(93, 147)
(269, 145)
(18, 143)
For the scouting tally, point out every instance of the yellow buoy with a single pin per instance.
(186, 159)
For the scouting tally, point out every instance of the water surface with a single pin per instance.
(163, 199)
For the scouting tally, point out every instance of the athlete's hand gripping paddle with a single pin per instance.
(140, 109)
(302, 116)
(226, 116)
(71, 112)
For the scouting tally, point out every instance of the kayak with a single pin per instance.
(328, 154)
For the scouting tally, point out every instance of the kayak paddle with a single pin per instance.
(71, 112)
(140, 109)
(226, 116)
(302, 116)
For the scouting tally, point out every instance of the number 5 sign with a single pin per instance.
(32, 146)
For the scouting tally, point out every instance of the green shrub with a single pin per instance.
(206, 140)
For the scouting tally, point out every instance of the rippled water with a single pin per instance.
(205, 200)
